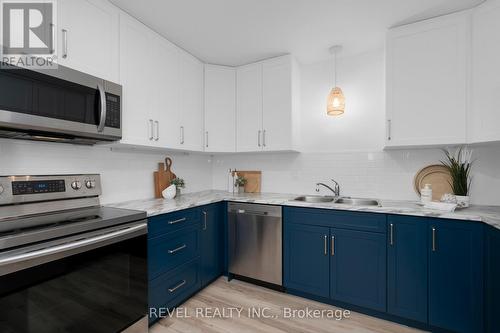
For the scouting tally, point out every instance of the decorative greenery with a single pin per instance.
(178, 182)
(240, 181)
(459, 165)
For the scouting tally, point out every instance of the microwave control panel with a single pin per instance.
(113, 110)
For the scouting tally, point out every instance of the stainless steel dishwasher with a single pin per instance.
(255, 242)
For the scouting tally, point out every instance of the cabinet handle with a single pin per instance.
(389, 129)
(205, 220)
(171, 290)
(206, 139)
(157, 130)
(65, 43)
(333, 245)
(53, 32)
(326, 246)
(391, 234)
(182, 135)
(258, 138)
(177, 221)
(433, 239)
(263, 138)
(182, 247)
(151, 129)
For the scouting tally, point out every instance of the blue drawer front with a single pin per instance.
(172, 250)
(162, 224)
(171, 289)
(337, 219)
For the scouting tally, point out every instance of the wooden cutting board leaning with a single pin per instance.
(163, 177)
(253, 180)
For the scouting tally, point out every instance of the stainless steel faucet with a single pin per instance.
(335, 189)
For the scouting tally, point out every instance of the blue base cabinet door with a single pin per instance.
(492, 280)
(211, 243)
(407, 267)
(358, 268)
(306, 259)
(456, 275)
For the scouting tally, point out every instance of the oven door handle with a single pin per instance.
(23, 260)
(102, 120)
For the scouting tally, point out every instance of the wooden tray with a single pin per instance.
(438, 176)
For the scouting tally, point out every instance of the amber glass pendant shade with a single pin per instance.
(335, 104)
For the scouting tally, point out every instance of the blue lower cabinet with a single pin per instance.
(171, 289)
(456, 276)
(358, 268)
(211, 243)
(492, 280)
(306, 259)
(173, 249)
(407, 268)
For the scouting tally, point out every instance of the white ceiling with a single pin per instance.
(235, 32)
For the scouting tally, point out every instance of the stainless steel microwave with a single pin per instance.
(60, 105)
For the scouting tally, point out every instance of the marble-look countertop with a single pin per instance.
(486, 214)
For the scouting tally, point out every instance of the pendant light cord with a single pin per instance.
(334, 68)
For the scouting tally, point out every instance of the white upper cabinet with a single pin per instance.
(137, 119)
(220, 109)
(278, 107)
(163, 96)
(484, 120)
(427, 94)
(266, 107)
(164, 92)
(249, 108)
(88, 37)
(191, 97)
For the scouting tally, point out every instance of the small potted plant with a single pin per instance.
(240, 183)
(459, 165)
(179, 183)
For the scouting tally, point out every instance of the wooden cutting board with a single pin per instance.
(163, 177)
(253, 180)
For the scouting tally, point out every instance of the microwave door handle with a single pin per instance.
(17, 262)
(102, 95)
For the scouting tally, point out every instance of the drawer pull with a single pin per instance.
(171, 290)
(333, 245)
(182, 247)
(177, 221)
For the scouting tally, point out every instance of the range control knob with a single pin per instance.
(1, 189)
(76, 185)
(89, 184)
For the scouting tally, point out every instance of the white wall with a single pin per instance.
(349, 148)
(125, 174)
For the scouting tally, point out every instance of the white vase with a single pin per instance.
(463, 201)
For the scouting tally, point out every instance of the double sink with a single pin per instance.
(338, 200)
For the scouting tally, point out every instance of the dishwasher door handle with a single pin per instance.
(251, 212)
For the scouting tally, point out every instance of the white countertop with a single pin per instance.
(487, 214)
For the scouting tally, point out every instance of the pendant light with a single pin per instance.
(335, 103)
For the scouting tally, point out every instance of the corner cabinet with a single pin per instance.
(485, 105)
(220, 109)
(427, 93)
(456, 276)
(267, 104)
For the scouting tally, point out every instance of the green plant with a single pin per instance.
(178, 182)
(240, 181)
(459, 165)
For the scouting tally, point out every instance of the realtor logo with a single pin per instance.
(28, 33)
